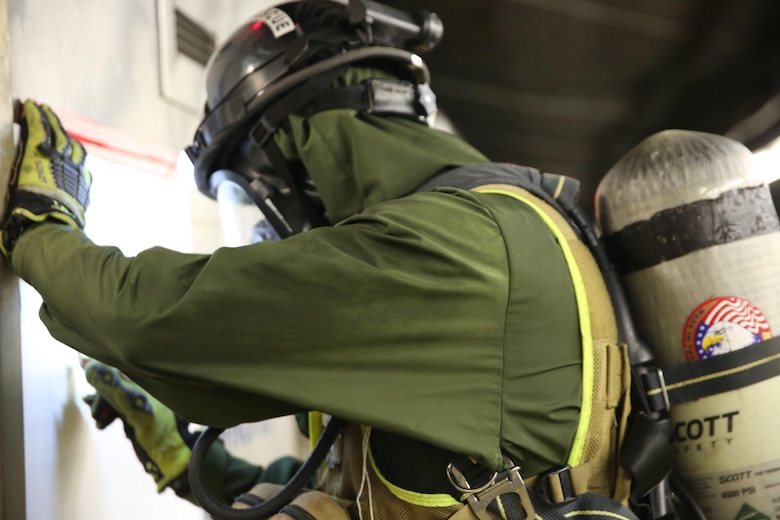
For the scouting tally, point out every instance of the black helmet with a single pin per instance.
(284, 61)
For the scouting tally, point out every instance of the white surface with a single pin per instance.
(74, 471)
(101, 60)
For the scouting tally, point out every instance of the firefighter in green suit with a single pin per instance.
(435, 315)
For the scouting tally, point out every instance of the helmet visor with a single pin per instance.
(242, 221)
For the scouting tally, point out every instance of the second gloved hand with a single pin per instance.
(160, 438)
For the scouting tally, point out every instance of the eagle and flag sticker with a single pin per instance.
(723, 324)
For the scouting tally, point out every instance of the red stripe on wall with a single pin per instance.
(119, 147)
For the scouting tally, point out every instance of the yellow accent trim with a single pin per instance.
(42, 217)
(413, 497)
(501, 509)
(315, 428)
(596, 512)
(575, 456)
(559, 187)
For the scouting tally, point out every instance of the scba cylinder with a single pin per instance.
(691, 227)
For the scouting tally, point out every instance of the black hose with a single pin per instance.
(639, 353)
(683, 496)
(683, 504)
(270, 506)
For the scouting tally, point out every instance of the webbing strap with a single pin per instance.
(555, 190)
(563, 483)
(377, 96)
(590, 505)
(557, 485)
(526, 503)
(718, 374)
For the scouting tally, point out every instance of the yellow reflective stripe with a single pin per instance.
(413, 497)
(585, 331)
(315, 428)
(597, 512)
(559, 187)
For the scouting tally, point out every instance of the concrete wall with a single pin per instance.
(100, 60)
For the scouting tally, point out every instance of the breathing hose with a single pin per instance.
(270, 506)
(670, 489)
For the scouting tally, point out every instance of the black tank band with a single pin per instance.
(674, 232)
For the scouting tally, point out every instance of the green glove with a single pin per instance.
(160, 438)
(49, 180)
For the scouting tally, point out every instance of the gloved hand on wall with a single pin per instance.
(49, 180)
(160, 438)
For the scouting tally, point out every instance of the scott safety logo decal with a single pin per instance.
(278, 21)
(721, 325)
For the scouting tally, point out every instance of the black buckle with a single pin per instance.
(556, 486)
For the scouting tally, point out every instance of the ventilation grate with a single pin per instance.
(193, 40)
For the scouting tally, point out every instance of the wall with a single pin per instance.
(11, 435)
(74, 471)
(100, 60)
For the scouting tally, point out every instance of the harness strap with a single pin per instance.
(590, 505)
(566, 487)
(562, 484)
(511, 498)
(723, 373)
(551, 188)
(556, 485)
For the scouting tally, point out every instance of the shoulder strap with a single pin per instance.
(556, 190)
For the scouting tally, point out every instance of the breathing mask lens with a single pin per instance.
(242, 221)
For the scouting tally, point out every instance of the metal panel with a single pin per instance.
(181, 77)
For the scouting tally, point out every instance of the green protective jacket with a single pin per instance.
(446, 316)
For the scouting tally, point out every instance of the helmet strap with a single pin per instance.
(392, 97)
(290, 103)
(294, 211)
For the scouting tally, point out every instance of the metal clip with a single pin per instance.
(459, 482)
(664, 393)
(654, 384)
(480, 498)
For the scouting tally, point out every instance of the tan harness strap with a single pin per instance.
(601, 471)
(560, 488)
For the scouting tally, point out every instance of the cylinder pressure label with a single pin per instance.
(739, 494)
(721, 325)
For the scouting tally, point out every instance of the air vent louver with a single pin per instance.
(186, 42)
(193, 40)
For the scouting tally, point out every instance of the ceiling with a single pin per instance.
(568, 86)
